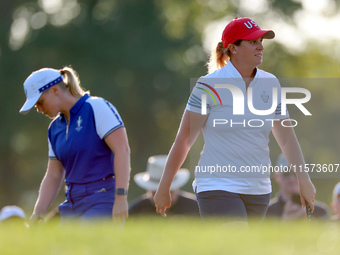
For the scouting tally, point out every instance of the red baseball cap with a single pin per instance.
(244, 29)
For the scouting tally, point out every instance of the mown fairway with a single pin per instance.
(172, 236)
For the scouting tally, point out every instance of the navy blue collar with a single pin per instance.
(74, 110)
(79, 104)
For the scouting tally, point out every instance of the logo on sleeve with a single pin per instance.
(79, 122)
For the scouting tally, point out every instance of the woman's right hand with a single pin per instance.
(162, 200)
(36, 219)
(189, 129)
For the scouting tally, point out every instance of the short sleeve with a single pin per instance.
(107, 118)
(278, 113)
(51, 153)
(200, 97)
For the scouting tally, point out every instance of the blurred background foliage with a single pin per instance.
(140, 55)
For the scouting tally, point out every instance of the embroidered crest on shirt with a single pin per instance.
(79, 122)
(265, 97)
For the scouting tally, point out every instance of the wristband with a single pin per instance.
(121, 192)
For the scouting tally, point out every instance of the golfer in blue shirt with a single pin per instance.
(88, 146)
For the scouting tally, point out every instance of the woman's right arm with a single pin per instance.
(188, 132)
(49, 188)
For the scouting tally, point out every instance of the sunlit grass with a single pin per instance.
(172, 236)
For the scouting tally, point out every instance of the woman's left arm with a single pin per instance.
(286, 139)
(118, 143)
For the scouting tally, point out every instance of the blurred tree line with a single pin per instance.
(139, 55)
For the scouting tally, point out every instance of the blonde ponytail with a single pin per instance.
(72, 82)
(218, 58)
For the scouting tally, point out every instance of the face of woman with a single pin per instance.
(48, 104)
(250, 52)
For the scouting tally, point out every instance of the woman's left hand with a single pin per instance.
(307, 192)
(120, 209)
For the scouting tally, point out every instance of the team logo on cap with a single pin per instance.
(250, 24)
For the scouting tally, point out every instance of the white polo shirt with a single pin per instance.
(235, 156)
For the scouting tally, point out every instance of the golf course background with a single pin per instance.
(140, 55)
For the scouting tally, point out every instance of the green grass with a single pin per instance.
(172, 236)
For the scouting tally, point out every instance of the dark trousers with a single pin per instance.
(233, 206)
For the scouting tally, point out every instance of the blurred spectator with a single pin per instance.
(13, 213)
(183, 203)
(336, 202)
(286, 204)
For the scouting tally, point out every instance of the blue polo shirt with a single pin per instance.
(80, 145)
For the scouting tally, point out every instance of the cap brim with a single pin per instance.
(267, 34)
(28, 105)
(143, 180)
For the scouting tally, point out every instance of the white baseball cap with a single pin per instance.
(149, 180)
(11, 211)
(36, 84)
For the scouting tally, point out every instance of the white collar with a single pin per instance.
(232, 72)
